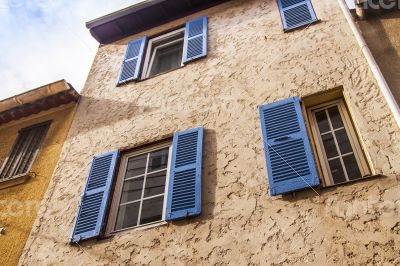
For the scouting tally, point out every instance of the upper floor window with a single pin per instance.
(24, 151)
(337, 144)
(140, 190)
(157, 183)
(289, 154)
(146, 58)
(296, 13)
(164, 53)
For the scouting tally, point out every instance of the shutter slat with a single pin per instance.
(184, 189)
(296, 13)
(290, 163)
(195, 40)
(133, 59)
(94, 201)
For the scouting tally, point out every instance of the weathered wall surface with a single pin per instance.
(250, 62)
(19, 204)
(382, 34)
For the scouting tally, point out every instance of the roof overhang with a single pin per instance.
(142, 16)
(37, 100)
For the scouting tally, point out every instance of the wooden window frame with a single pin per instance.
(352, 135)
(116, 195)
(150, 56)
(47, 123)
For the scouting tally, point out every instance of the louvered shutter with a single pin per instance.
(132, 60)
(94, 201)
(195, 41)
(296, 13)
(184, 188)
(290, 162)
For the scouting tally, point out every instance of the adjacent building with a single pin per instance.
(225, 132)
(33, 128)
(379, 24)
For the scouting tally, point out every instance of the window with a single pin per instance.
(146, 57)
(164, 53)
(340, 153)
(24, 151)
(141, 188)
(296, 13)
(159, 183)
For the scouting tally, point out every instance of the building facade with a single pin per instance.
(225, 132)
(33, 127)
(379, 27)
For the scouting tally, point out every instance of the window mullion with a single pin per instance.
(144, 185)
(337, 145)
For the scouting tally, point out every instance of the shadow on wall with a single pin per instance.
(95, 113)
(382, 34)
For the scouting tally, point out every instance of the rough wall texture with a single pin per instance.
(382, 34)
(19, 204)
(250, 62)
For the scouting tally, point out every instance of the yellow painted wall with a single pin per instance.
(19, 204)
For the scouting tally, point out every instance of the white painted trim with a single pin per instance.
(150, 56)
(112, 219)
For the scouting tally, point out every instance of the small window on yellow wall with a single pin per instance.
(338, 148)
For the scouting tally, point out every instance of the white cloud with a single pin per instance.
(46, 40)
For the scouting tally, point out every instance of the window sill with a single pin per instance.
(362, 179)
(138, 228)
(16, 180)
(162, 73)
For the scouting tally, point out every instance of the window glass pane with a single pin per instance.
(127, 216)
(155, 184)
(158, 160)
(329, 145)
(167, 58)
(152, 210)
(136, 166)
(337, 171)
(132, 190)
(353, 172)
(335, 117)
(322, 121)
(343, 141)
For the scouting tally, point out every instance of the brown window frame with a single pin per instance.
(361, 159)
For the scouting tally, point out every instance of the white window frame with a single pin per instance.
(149, 59)
(116, 197)
(354, 141)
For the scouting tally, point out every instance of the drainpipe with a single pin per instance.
(372, 63)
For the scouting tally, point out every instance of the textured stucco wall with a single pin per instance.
(19, 204)
(250, 62)
(382, 34)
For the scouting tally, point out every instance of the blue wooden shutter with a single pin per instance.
(195, 42)
(132, 60)
(290, 162)
(184, 188)
(94, 201)
(296, 13)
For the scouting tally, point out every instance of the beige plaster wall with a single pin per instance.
(250, 62)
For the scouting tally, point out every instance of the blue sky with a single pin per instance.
(46, 40)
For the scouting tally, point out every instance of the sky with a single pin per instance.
(46, 40)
